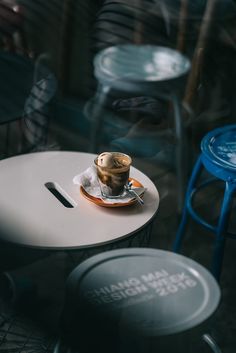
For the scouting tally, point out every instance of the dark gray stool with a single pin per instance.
(139, 300)
(148, 70)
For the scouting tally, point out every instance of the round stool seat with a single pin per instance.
(126, 67)
(219, 151)
(129, 296)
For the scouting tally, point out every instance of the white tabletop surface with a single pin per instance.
(31, 216)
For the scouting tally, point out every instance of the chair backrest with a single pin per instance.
(36, 111)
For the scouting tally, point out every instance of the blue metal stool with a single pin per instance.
(218, 157)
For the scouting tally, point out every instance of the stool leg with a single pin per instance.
(181, 168)
(97, 120)
(182, 227)
(219, 245)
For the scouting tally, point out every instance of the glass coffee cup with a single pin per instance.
(113, 170)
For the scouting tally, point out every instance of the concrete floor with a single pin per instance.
(32, 325)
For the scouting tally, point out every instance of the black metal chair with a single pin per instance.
(25, 100)
(36, 115)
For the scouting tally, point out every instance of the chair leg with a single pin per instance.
(182, 227)
(97, 120)
(219, 245)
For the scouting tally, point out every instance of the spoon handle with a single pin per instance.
(138, 198)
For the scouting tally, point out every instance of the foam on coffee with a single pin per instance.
(112, 160)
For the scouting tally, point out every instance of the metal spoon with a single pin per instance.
(134, 193)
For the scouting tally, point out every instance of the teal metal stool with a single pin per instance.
(218, 158)
(129, 70)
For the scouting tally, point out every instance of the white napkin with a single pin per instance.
(88, 180)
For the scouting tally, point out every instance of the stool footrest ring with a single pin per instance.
(196, 217)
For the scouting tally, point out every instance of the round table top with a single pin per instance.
(30, 215)
(17, 76)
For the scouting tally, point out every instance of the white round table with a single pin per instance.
(30, 215)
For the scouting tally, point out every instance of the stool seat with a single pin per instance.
(218, 158)
(219, 152)
(122, 300)
(136, 68)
